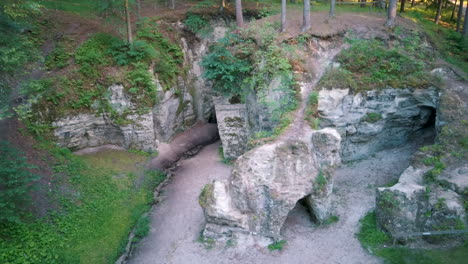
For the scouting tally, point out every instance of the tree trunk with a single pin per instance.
(465, 25)
(402, 7)
(172, 4)
(391, 13)
(129, 23)
(412, 3)
(138, 3)
(453, 11)
(239, 18)
(306, 16)
(363, 1)
(382, 4)
(460, 14)
(439, 10)
(332, 8)
(283, 16)
(222, 5)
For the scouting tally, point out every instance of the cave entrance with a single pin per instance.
(426, 133)
(299, 218)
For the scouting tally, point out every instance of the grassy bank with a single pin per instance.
(377, 242)
(100, 198)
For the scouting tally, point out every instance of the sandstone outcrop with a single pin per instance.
(373, 120)
(267, 182)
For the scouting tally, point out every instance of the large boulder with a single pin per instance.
(410, 206)
(267, 182)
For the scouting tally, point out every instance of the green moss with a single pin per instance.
(338, 78)
(372, 117)
(205, 194)
(278, 245)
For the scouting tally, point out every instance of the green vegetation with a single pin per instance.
(205, 194)
(16, 180)
(331, 220)
(320, 182)
(372, 117)
(100, 61)
(450, 44)
(375, 65)
(227, 161)
(99, 201)
(252, 62)
(208, 243)
(197, 24)
(311, 113)
(278, 245)
(378, 243)
(142, 228)
(338, 78)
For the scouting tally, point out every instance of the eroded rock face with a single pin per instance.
(267, 182)
(373, 120)
(326, 147)
(90, 130)
(409, 206)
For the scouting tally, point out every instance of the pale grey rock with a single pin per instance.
(232, 126)
(89, 130)
(268, 181)
(455, 178)
(326, 149)
(401, 112)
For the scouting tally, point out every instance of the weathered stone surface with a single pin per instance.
(409, 206)
(268, 181)
(173, 113)
(398, 206)
(326, 147)
(456, 179)
(397, 113)
(233, 127)
(89, 130)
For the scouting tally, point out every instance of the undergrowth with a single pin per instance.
(99, 206)
(378, 242)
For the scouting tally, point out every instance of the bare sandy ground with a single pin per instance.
(178, 220)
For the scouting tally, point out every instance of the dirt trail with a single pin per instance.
(300, 129)
(178, 220)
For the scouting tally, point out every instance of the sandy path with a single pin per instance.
(178, 220)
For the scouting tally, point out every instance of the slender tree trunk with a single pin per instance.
(382, 4)
(283, 16)
(412, 3)
(391, 13)
(306, 16)
(402, 7)
(439, 10)
(239, 18)
(172, 4)
(129, 23)
(138, 4)
(465, 25)
(222, 5)
(332, 8)
(453, 11)
(459, 16)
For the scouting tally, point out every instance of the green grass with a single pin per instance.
(224, 160)
(81, 7)
(104, 196)
(373, 239)
(278, 245)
